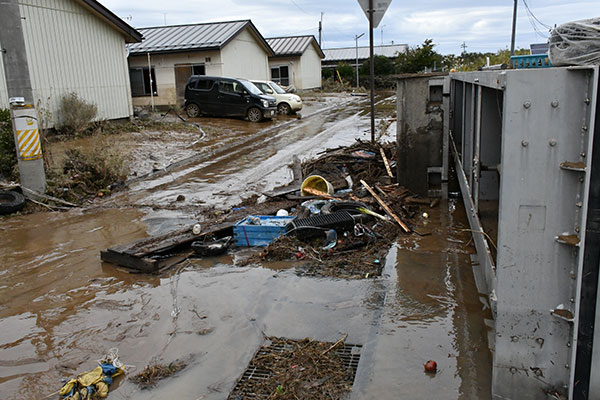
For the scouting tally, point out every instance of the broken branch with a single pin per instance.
(333, 346)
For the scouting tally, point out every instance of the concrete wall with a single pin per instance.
(419, 133)
(69, 49)
(244, 57)
(164, 72)
(311, 68)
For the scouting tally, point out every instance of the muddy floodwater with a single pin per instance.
(61, 308)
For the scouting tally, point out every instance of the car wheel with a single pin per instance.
(192, 110)
(11, 202)
(284, 108)
(254, 115)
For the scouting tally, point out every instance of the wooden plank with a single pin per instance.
(129, 261)
(283, 190)
(386, 163)
(387, 209)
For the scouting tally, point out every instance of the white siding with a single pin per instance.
(311, 69)
(244, 57)
(164, 72)
(69, 49)
(294, 68)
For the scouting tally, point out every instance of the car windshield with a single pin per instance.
(276, 88)
(251, 88)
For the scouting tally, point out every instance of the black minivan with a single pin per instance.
(227, 97)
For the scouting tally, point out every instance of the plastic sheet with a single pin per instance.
(575, 43)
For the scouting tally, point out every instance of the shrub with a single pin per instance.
(87, 172)
(8, 155)
(74, 114)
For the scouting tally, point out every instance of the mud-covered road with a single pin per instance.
(61, 308)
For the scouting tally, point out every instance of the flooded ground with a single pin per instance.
(61, 308)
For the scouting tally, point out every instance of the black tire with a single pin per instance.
(254, 114)
(350, 206)
(11, 202)
(284, 109)
(192, 110)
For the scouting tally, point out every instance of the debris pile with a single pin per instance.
(339, 218)
(296, 369)
(360, 178)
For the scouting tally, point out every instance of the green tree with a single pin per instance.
(346, 71)
(418, 58)
(381, 64)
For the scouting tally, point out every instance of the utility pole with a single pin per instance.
(22, 110)
(320, 28)
(514, 30)
(356, 37)
(372, 71)
(382, 26)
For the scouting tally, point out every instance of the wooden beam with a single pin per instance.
(385, 161)
(387, 209)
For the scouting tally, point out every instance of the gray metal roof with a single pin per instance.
(177, 38)
(293, 45)
(349, 53)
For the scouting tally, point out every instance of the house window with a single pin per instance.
(198, 69)
(140, 81)
(281, 75)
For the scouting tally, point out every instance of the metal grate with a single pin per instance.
(348, 353)
(340, 221)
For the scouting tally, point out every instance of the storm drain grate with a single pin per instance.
(258, 370)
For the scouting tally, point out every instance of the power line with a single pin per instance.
(300, 8)
(534, 17)
(534, 21)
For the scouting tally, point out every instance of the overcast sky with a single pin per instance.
(482, 25)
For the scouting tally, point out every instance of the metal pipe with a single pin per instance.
(151, 85)
(514, 30)
(356, 37)
(372, 72)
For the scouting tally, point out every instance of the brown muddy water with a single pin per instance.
(61, 309)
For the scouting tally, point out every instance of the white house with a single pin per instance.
(170, 54)
(76, 46)
(297, 61)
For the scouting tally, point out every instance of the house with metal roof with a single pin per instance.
(160, 66)
(297, 61)
(349, 54)
(75, 46)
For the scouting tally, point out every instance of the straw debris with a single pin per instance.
(155, 372)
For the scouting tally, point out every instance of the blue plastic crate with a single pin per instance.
(259, 230)
(531, 61)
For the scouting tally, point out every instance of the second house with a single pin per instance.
(160, 66)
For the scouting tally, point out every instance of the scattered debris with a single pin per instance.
(155, 372)
(95, 383)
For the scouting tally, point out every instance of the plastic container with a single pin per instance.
(316, 182)
(531, 61)
(259, 230)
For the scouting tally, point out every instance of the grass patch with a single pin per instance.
(87, 172)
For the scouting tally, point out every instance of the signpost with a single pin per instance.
(374, 10)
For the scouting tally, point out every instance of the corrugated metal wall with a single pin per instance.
(69, 49)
